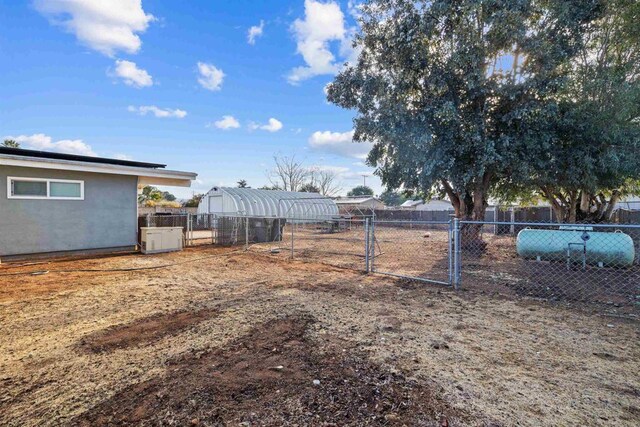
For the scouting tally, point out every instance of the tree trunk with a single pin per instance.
(470, 207)
(613, 201)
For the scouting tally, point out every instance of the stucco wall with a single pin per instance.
(106, 218)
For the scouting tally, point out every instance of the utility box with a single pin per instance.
(154, 240)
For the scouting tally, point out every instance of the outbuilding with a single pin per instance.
(364, 203)
(290, 205)
(56, 203)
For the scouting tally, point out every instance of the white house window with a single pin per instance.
(42, 188)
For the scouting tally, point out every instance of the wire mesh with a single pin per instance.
(413, 249)
(575, 263)
(337, 241)
(566, 263)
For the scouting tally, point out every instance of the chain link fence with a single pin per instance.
(335, 241)
(573, 263)
(420, 250)
(595, 263)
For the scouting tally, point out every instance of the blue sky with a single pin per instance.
(181, 83)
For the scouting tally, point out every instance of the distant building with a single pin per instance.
(431, 205)
(363, 202)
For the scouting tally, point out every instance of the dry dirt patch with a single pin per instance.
(144, 331)
(276, 375)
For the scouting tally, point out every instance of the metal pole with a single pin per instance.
(188, 242)
(372, 245)
(366, 244)
(451, 251)
(292, 240)
(456, 254)
(512, 229)
(246, 235)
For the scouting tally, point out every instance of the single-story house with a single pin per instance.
(359, 202)
(56, 203)
(430, 205)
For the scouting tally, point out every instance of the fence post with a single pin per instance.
(246, 235)
(451, 237)
(188, 230)
(292, 237)
(366, 244)
(512, 228)
(372, 243)
(457, 268)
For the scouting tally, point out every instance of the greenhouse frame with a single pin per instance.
(291, 205)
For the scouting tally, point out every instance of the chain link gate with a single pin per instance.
(416, 250)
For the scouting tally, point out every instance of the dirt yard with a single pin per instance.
(215, 337)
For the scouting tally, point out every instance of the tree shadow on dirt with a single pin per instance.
(276, 375)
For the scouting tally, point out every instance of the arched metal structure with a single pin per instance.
(267, 203)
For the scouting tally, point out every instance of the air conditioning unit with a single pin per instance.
(154, 240)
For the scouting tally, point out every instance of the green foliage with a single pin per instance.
(270, 187)
(309, 188)
(194, 201)
(151, 196)
(392, 198)
(168, 196)
(458, 96)
(10, 143)
(590, 145)
(360, 190)
(242, 183)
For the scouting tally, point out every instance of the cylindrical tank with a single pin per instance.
(608, 249)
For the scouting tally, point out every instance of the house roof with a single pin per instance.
(77, 158)
(411, 203)
(147, 173)
(354, 200)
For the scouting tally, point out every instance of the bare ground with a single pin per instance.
(222, 337)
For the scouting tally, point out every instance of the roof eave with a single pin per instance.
(147, 175)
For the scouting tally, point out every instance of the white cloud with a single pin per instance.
(340, 143)
(226, 123)
(132, 75)
(106, 26)
(123, 157)
(143, 110)
(273, 125)
(211, 77)
(40, 141)
(322, 24)
(255, 32)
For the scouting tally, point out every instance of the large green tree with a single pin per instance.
(451, 91)
(595, 158)
(392, 198)
(360, 190)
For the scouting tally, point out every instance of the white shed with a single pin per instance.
(267, 203)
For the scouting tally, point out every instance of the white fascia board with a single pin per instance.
(146, 175)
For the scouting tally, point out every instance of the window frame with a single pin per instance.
(48, 181)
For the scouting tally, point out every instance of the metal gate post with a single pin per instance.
(366, 244)
(372, 243)
(457, 268)
(451, 237)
